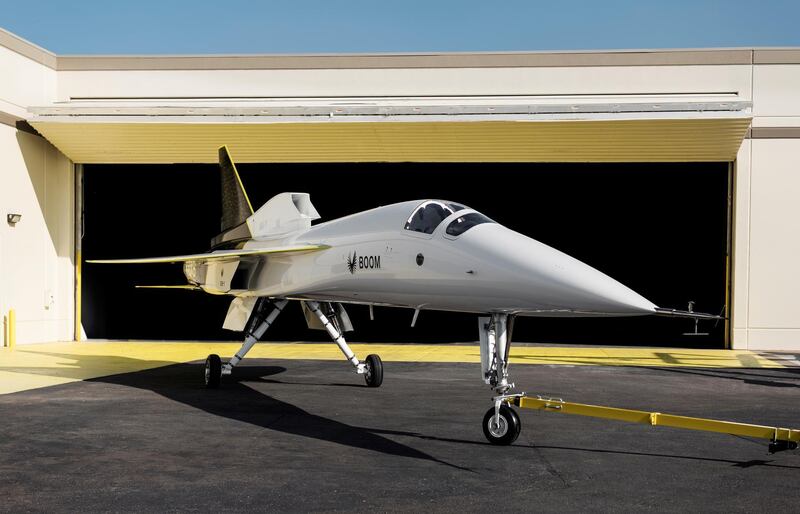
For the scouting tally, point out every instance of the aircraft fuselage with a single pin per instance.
(374, 259)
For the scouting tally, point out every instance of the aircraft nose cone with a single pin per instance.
(544, 277)
(598, 292)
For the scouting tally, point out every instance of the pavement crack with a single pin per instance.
(548, 465)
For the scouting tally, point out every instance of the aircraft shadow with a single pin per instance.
(235, 400)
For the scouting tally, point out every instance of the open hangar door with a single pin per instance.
(659, 228)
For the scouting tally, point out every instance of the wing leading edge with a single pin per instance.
(220, 255)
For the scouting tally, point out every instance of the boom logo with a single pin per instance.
(355, 262)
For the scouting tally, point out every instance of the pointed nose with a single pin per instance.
(546, 279)
(596, 292)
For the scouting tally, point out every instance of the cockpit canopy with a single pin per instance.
(463, 223)
(430, 214)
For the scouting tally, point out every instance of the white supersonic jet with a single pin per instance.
(420, 254)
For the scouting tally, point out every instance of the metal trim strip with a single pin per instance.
(400, 61)
(27, 49)
(774, 133)
(17, 123)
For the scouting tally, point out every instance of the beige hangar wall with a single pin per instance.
(767, 231)
(36, 180)
(549, 84)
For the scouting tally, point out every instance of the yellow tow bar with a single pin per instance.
(780, 438)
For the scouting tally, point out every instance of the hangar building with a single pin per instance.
(682, 162)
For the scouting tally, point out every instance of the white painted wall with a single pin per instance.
(766, 281)
(36, 180)
(36, 254)
(24, 82)
(740, 261)
(774, 276)
(777, 92)
(691, 82)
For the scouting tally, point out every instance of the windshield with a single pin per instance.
(430, 214)
(463, 223)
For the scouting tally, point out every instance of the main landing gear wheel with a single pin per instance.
(213, 371)
(373, 371)
(506, 431)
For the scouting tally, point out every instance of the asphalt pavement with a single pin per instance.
(295, 435)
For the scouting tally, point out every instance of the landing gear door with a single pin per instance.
(334, 311)
(239, 312)
(344, 320)
(312, 321)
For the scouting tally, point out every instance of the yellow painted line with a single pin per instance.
(41, 365)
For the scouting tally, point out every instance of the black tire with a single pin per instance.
(373, 371)
(213, 371)
(509, 428)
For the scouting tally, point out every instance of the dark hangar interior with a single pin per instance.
(659, 228)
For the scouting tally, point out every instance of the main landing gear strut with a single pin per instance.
(371, 368)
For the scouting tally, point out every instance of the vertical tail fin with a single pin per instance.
(236, 205)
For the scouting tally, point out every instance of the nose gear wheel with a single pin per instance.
(504, 429)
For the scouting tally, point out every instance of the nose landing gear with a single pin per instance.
(501, 424)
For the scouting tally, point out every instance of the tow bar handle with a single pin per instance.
(780, 439)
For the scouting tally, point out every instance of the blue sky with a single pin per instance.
(303, 26)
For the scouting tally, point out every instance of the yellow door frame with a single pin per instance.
(78, 219)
